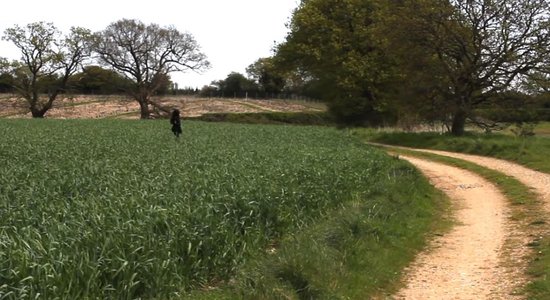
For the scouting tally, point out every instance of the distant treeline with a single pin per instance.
(516, 107)
(94, 80)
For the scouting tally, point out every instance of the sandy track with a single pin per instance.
(467, 262)
(538, 181)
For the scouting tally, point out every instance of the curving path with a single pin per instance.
(467, 262)
(538, 181)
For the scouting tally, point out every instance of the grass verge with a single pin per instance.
(540, 270)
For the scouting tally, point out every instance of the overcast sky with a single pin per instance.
(233, 34)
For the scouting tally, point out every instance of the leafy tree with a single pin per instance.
(484, 47)
(164, 84)
(265, 73)
(47, 62)
(6, 79)
(538, 81)
(190, 91)
(411, 91)
(6, 83)
(234, 85)
(336, 44)
(146, 54)
(97, 80)
(442, 59)
(274, 75)
(538, 85)
(210, 91)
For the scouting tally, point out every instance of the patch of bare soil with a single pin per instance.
(10, 105)
(94, 110)
(93, 107)
(194, 107)
(470, 261)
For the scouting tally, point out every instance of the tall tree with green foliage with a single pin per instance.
(234, 85)
(336, 43)
(414, 92)
(484, 47)
(47, 62)
(265, 73)
(146, 54)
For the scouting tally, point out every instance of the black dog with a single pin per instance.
(176, 123)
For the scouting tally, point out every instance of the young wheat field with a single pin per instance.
(120, 209)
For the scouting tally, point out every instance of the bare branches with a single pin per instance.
(486, 47)
(46, 56)
(147, 53)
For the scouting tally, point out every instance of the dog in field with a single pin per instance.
(175, 120)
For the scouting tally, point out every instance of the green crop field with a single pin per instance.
(120, 209)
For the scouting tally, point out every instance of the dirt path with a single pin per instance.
(467, 262)
(538, 181)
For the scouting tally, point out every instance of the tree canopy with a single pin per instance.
(335, 42)
(265, 73)
(235, 85)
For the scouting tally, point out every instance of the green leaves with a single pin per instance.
(339, 44)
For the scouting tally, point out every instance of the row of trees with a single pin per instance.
(139, 59)
(90, 80)
(264, 79)
(438, 59)
(93, 80)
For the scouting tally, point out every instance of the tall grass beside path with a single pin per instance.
(357, 251)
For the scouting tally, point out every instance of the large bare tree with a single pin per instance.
(146, 54)
(48, 59)
(485, 47)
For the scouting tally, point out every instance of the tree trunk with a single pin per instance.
(144, 109)
(459, 122)
(37, 113)
(41, 112)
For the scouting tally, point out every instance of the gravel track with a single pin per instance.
(468, 261)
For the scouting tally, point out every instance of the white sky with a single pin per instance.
(232, 33)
